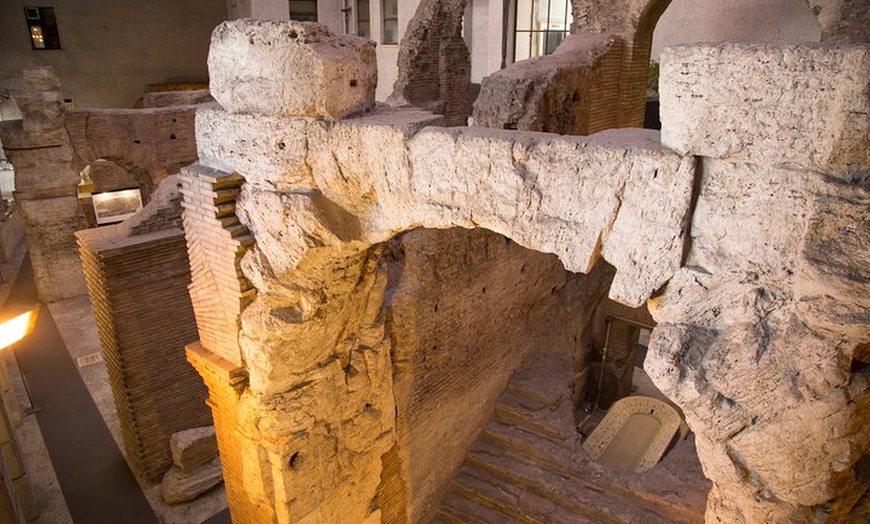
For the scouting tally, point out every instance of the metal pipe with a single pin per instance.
(635, 323)
(608, 321)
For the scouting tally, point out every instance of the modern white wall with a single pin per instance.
(113, 48)
(483, 36)
(768, 21)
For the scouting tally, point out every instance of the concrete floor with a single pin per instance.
(69, 432)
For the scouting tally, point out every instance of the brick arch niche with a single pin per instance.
(50, 146)
(746, 253)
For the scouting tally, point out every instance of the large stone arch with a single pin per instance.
(724, 234)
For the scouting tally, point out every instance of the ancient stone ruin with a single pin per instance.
(366, 281)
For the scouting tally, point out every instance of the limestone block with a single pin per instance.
(362, 163)
(16, 137)
(46, 176)
(289, 224)
(832, 283)
(564, 195)
(750, 219)
(270, 152)
(802, 106)
(181, 487)
(290, 68)
(561, 195)
(193, 448)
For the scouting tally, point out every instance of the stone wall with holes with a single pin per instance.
(49, 147)
(129, 268)
(743, 226)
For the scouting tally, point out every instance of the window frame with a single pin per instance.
(306, 16)
(391, 18)
(359, 12)
(532, 33)
(42, 28)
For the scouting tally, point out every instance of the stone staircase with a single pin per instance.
(528, 467)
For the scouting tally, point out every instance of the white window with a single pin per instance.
(303, 10)
(541, 25)
(390, 11)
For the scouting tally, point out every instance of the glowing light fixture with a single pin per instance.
(17, 324)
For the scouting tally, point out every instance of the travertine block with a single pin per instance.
(290, 68)
(800, 106)
(831, 281)
(619, 191)
(193, 448)
(268, 151)
(181, 487)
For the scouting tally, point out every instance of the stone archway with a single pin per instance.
(287, 292)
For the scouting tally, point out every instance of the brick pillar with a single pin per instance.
(155, 391)
(226, 383)
(216, 242)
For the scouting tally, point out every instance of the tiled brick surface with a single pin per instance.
(138, 288)
(216, 242)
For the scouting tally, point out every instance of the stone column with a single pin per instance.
(284, 415)
(45, 181)
(758, 331)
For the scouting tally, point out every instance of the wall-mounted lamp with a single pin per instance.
(16, 324)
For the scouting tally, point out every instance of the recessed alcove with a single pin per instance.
(488, 341)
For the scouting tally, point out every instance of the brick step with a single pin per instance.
(517, 446)
(514, 415)
(533, 393)
(489, 501)
(524, 437)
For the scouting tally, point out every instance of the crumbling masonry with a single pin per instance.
(743, 226)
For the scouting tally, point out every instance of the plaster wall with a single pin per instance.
(761, 21)
(113, 49)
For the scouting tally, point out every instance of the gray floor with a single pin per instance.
(71, 440)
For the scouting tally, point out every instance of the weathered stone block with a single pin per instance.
(193, 448)
(181, 487)
(564, 92)
(800, 106)
(290, 69)
(270, 152)
(832, 281)
(621, 193)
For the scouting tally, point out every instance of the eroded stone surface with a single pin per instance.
(269, 151)
(181, 487)
(193, 448)
(770, 395)
(563, 93)
(558, 195)
(305, 70)
(379, 175)
(802, 106)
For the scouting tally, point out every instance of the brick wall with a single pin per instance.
(138, 288)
